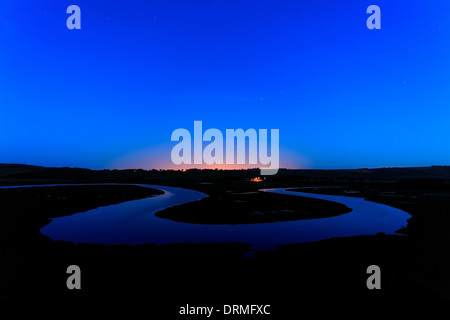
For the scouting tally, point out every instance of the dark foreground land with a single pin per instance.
(252, 207)
(414, 265)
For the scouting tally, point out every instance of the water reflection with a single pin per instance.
(134, 222)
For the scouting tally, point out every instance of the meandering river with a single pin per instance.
(134, 222)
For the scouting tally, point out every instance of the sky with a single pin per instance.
(110, 94)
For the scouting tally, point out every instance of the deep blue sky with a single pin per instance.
(110, 95)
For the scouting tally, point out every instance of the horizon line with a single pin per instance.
(220, 169)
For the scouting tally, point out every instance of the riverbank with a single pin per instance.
(25, 210)
(414, 267)
(252, 207)
(428, 205)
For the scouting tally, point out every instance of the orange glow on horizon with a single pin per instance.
(158, 158)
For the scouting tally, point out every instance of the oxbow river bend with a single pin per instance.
(134, 222)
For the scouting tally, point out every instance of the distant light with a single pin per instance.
(257, 179)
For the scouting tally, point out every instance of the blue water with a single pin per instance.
(134, 222)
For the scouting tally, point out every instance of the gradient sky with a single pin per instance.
(110, 95)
